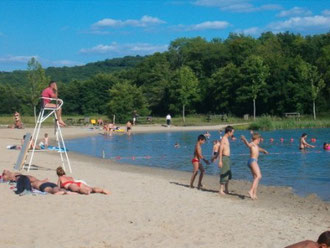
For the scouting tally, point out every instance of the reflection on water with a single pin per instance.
(305, 171)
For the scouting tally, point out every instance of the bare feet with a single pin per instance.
(192, 186)
(251, 195)
(62, 124)
(222, 192)
(201, 186)
(106, 192)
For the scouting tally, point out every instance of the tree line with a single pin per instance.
(271, 74)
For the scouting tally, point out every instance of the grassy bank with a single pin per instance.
(272, 123)
(261, 123)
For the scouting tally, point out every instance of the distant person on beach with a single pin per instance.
(168, 119)
(17, 121)
(322, 242)
(303, 143)
(224, 161)
(253, 162)
(129, 127)
(69, 183)
(100, 122)
(52, 92)
(45, 141)
(215, 151)
(109, 128)
(197, 165)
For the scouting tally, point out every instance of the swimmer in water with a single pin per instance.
(303, 143)
(326, 146)
(177, 145)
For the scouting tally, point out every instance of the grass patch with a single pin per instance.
(272, 123)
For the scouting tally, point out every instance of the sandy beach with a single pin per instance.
(148, 207)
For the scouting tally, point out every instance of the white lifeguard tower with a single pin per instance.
(44, 113)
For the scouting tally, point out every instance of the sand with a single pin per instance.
(149, 207)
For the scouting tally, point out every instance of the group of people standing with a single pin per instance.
(223, 155)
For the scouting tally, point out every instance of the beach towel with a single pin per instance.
(23, 184)
(53, 148)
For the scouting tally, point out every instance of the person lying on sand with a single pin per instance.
(13, 176)
(46, 186)
(322, 242)
(69, 183)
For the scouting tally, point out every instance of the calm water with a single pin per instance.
(307, 172)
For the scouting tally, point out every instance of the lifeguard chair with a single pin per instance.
(44, 113)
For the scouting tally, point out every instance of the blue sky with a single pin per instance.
(76, 32)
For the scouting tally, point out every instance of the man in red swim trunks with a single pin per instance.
(51, 92)
(196, 162)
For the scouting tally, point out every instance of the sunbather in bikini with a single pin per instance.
(69, 183)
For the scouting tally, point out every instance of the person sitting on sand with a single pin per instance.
(100, 122)
(46, 186)
(253, 162)
(196, 162)
(303, 143)
(322, 242)
(69, 183)
(17, 121)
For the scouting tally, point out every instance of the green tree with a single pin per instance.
(37, 81)
(124, 99)
(184, 89)
(255, 73)
(316, 85)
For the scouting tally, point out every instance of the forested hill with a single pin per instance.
(66, 74)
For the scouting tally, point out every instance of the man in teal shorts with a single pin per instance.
(224, 161)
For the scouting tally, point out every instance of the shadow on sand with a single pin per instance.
(242, 197)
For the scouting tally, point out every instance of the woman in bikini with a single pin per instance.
(69, 183)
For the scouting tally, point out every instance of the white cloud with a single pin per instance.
(249, 31)
(295, 11)
(125, 49)
(145, 21)
(303, 23)
(236, 5)
(326, 12)
(16, 59)
(209, 25)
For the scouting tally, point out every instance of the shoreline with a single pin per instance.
(148, 206)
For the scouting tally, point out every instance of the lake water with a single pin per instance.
(305, 171)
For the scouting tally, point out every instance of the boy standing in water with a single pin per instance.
(253, 162)
(303, 143)
(224, 161)
(196, 162)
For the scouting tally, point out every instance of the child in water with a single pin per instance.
(253, 162)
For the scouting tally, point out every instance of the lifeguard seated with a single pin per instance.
(51, 92)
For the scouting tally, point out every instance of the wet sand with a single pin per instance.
(149, 207)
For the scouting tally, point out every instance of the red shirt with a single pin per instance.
(48, 92)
